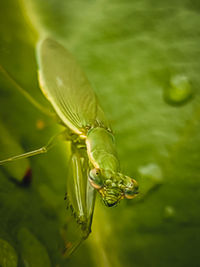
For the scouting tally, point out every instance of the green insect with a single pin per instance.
(94, 164)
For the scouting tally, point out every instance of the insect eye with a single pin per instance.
(131, 191)
(95, 178)
(130, 194)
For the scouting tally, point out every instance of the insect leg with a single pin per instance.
(79, 199)
(26, 94)
(38, 151)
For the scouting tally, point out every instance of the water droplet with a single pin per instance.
(152, 170)
(169, 212)
(179, 90)
(150, 177)
(8, 256)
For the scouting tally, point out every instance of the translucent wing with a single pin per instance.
(80, 199)
(66, 87)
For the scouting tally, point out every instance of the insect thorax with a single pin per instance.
(101, 149)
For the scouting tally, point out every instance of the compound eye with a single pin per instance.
(130, 194)
(131, 191)
(95, 178)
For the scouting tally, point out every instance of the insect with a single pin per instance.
(94, 164)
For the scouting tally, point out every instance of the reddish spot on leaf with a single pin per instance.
(27, 177)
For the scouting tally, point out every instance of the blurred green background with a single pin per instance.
(143, 60)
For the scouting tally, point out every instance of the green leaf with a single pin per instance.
(37, 255)
(132, 52)
(8, 257)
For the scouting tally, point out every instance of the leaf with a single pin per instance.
(8, 255)
(130, 51)
(37, 255)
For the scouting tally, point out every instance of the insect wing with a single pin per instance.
(66, 86)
